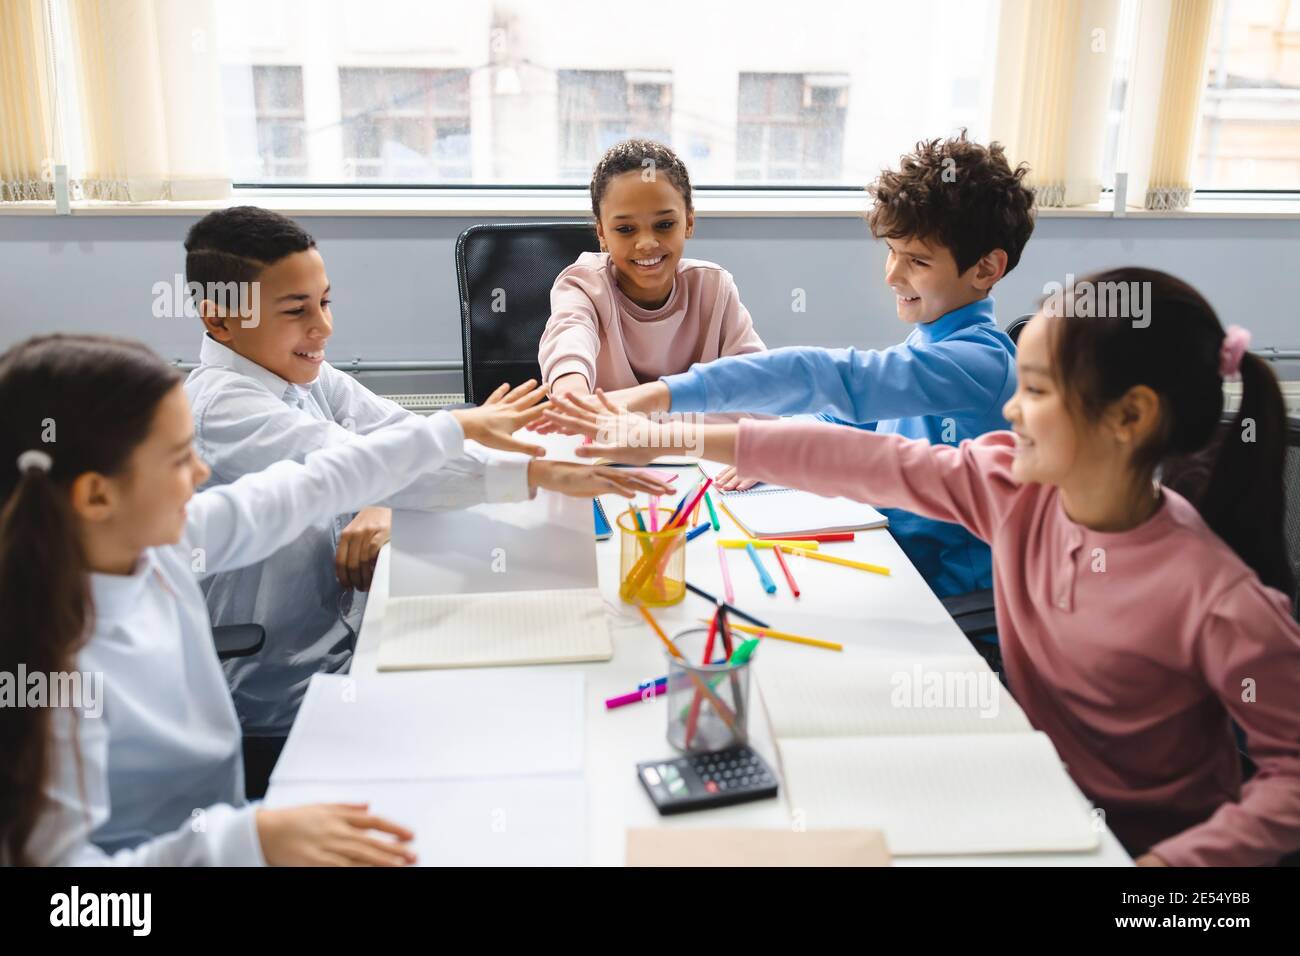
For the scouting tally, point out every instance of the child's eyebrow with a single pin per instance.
(182, 446)
(661, 212)
(1031, 367)
(301, 295)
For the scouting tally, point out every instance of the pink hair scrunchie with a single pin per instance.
(1235, 342)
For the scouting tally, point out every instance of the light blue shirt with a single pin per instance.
(157, 778)
(946, 382)
(246, 418)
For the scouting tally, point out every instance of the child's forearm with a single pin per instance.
(715, 442)
(650, 397)
(571, 383)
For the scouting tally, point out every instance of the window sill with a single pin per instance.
(574, 204)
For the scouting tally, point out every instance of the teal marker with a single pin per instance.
(764, 578)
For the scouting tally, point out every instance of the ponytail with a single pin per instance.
(1245, 495)
(40, 555)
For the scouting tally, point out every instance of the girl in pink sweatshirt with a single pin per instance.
(1138, 623)
(638, 310)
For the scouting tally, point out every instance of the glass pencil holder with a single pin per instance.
(652, 564)
(708, 704)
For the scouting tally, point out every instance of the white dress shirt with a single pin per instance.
(246, 418)
(159, 779)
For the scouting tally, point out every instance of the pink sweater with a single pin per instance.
(597, 330)
(1134, 671)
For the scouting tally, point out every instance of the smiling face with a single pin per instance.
(1047, 442)
(291, 319)
(925, 280)
(644, 225)
(143, 505)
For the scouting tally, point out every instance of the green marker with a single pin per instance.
(740, 655)
(713, 515)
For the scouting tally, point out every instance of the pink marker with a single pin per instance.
(645, 693)
(654, 512)
(727, 591)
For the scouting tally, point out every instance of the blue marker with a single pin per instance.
(696, 532)
(766, 579)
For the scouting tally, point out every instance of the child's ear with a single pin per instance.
(690, 223)
(990, 269)
(600, 234)
(215, 321)
(92, 497)
(1135, 416)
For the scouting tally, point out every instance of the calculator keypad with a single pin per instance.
(700, 781)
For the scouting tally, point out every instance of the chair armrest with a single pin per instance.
(238, 640)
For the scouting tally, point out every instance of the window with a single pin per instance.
(271, 98)
(404, 124)
(1249, 136)
(512, 92)
(597, 108)
(790, 127)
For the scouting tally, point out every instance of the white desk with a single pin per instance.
(868, 613)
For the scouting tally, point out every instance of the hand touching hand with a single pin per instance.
(620, 435)
(588, 481)
(506, 411)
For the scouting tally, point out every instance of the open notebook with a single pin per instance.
(494, 585)
(933, 752)
(556, 626)
(776, 510)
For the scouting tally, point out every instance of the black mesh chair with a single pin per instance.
(505, 272)
(1017, 326)
(1291, 517)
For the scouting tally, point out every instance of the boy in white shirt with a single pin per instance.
(263, 393)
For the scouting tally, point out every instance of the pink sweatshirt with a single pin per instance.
(1134, 671)
(597, 330)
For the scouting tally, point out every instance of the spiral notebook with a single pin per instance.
(767, 510)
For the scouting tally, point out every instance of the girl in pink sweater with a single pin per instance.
(638, 310)
(1138, 623)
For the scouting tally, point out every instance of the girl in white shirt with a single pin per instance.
(102, 545)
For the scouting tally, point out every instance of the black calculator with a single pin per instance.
(702, 781)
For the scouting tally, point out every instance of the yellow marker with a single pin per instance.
(860, 565)
(782, 636)
(786, 546)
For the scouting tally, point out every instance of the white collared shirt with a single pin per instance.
(160, 778)
(246, 418)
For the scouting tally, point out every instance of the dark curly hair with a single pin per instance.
(962, 194)
(632, 155)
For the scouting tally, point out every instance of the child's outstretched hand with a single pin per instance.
(507, 410)
(618, 434)
(729, 480)
(588, 481)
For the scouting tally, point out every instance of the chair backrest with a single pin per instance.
(1017, 326)
(1291, 517)
(505, 272)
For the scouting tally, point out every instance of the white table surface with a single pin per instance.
(868, 613)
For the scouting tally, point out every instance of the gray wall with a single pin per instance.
(395, 289)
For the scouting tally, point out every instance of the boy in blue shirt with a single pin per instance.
(955, 217)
